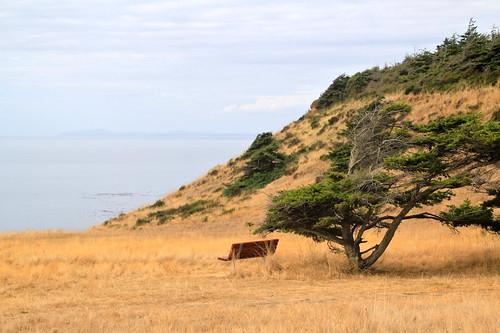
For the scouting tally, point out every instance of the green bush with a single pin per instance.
(183, 211)
(335, 93)
(412, 90)
(333, 120)
(158, 204)
(314, 122)
(143, 221)
(265, 163)
(262, 141)
(293, 142)
(227, 211)
(288, 136)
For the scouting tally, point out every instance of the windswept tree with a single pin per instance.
(387, 171)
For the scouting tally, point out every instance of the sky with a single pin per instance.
(211, 66)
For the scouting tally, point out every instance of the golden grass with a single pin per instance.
(431, 280)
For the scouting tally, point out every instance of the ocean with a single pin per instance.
(73, 184)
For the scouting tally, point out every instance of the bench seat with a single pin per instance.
(253, 249)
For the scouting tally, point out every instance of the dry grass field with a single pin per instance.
(166, 280)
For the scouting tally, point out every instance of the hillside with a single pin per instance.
(460, 76)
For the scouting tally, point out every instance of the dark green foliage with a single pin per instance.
(265, 163)
(314, 122)
(333, 120)
(472, 58)
(323, 129)
(158, 204)
(335, 93)
(183, 211)
(227, 211)
(421, 161)
(288, 136)
(358, 83)
(387, 162)
(304, 211)
(303, 149)
(495, 201)
(163, 215)
(142, 221)
(460, 132)
(293, 142)
(116, 218)
(339, 157)
(262, 141)
(412, 90)
(253, 181)
(467, 214)
(317, 145)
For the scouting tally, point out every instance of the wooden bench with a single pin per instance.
(251, 250)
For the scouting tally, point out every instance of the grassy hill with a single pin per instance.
(461, 75)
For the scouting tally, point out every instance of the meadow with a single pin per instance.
(432, 279)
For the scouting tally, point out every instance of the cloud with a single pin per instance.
(185, 60)
(301, 99)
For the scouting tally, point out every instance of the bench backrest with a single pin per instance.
(253, 249)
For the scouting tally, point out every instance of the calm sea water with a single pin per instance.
(76, 183)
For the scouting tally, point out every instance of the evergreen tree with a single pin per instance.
(388, 171)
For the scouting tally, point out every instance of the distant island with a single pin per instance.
(178, 135)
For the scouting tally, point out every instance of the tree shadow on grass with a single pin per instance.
(475, 263)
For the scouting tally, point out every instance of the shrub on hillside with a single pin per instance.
(158, 204)
(265, 163)
(182, 211)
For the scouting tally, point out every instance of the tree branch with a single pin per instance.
(389, 234)
(334, 239)
(424, 216)
(368, 250)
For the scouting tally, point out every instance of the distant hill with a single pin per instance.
(461, 75)
(179, 135)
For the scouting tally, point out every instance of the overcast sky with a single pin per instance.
(209, 66)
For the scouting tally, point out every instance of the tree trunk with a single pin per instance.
(389, 234)
(351, 249)
(354, 257)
